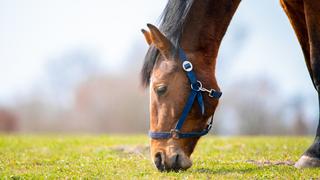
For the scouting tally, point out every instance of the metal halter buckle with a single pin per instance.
(196, 86)
(187, 66)
(175, 133)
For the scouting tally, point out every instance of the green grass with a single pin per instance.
(103, 157)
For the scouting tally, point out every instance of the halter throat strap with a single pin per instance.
(195, 95)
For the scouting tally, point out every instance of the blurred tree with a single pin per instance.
(299, 126)
(111, 104)
(256, 105)
(65, 72)
(8, 121)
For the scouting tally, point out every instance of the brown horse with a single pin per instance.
(197, 28)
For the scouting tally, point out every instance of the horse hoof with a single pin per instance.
(307, 162)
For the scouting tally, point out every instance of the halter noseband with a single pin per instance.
(196, 89)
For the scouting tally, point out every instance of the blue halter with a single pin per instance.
(195, 94)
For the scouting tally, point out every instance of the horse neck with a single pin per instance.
(205, 27)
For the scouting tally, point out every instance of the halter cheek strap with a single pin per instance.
(195, 94)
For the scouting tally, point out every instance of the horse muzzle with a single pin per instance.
(171, 160)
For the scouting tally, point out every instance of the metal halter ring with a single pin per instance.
(197, 86)
(175, 133)
(187, 66)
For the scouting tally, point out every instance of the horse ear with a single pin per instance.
(147, 36)
(160, 41)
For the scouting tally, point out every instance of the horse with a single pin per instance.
(179, 69)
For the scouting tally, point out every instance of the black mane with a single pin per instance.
(171, 24)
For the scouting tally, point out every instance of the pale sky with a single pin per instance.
(33, 31)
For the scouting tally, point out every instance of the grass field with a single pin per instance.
(126, 157)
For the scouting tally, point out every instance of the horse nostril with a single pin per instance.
(176, 164)
(177, 158)
(159, 161)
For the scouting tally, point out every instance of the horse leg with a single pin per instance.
(311, 158)
(295, 12)
(312, 13)
(305, 19)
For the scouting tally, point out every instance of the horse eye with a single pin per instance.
(161, 90)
